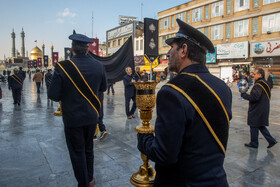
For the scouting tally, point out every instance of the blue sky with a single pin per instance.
(51, 21)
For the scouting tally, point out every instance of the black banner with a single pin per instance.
(151, 38)
(115, 65)
(67, 53)
(34, 63)
(46, 61)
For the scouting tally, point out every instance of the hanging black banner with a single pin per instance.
(46, 61)
(151, 38)
(67, 53)
(34, 63)
(115, 65)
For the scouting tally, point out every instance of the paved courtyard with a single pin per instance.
(33, 150)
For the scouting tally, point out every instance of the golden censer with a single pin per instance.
(145, 101)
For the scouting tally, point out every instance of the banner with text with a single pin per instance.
(55, 58)
(30, 64)
(151, 38)
(211, 57)
(35, 63)
(46, 61)
(232, 50)
(67, 53)
(39, 62)
(94, 47)
(267, 48)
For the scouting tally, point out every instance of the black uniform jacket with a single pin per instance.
(76, 110)
(184, 151)
(259, 106)
(49, 75)
(129, 88)
(137, 76)
(13, 84)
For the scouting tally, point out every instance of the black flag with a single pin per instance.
(35, 63)
(115, 65)
(46, 61)
(67, 53)
(151, 38)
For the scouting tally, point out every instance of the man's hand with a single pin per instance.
(132, 80)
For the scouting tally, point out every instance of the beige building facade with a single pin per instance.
(244, 32)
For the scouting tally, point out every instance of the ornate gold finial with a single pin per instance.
(52, 46)
(43, 45)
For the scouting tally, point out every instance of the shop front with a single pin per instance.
(266, 55)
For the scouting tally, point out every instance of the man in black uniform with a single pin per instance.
(76, 83)
(137, 76)
(15, 83)
(193, 113)
(258, 113)
(129, 93)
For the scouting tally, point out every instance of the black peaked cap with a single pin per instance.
(192, 34)
(80, 38)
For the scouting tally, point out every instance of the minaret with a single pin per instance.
(13, 35)
(43, 49)
(22, 34)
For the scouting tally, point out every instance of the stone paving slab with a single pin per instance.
(33, 151)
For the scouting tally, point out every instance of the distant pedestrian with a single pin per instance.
(38, 77)
(270, 79)
(0, 92)
(15, 83)
(43, 73)
(258, 113)
(48, 79)
(110, 86)
(145, 76)
(129, 93)
(137, 75)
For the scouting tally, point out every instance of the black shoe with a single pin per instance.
(271, 144)
(18, 104)
(250, 145)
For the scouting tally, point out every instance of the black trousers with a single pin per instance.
(110, 85)
(255, 135)
(16, 95)
(80, 146)
(38, 84)
(127, 101)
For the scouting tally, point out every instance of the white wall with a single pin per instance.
(226, 71)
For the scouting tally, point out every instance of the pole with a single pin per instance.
(141, 11)
(92, 25)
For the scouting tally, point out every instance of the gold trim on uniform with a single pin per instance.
(79, 89)
(218, 98)
(200, 113)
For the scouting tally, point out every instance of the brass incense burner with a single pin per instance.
(145, 101)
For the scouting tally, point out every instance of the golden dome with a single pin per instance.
(36, 53)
